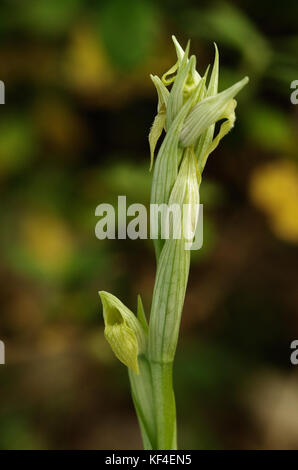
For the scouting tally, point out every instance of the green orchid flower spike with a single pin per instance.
(189, 106)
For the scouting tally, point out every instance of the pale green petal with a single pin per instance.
(155, 132)
(213, 83)
(206, 113)
(186, 188)
(162, 91)
(180, 54)
(159, 122)
(175, 100)
(171, 74)
(205, 139)
(226, 126)
(179, 50)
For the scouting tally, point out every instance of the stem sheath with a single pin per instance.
(164, 405)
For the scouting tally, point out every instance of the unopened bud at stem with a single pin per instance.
(123, 331)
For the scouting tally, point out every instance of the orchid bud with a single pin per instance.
(185, 193)
(125, 332)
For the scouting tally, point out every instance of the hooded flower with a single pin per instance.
(125, 332)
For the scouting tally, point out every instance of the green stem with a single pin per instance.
(164, 405)
(154, 401)
(142, 395)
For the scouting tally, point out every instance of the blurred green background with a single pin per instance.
(73, 134)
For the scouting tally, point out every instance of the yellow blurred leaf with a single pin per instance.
(86, 67)
(48, 241)
(274, 189)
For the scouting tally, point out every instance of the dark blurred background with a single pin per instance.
(73, 134)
